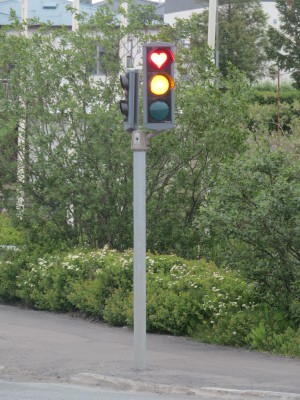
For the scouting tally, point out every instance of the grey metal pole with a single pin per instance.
(25, 16)
(75, 23)
(212, 15)
(139, 215)
(217, 37)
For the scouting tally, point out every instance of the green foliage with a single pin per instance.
(252, 223)
(284, 42)
(266, 112)
(10, 235)
(276, 126)
(270, 97)
(46, 283)
(78, 185)
(193, 298)
(73, 134)
(118, 307)
(269, 336)
(241, 35)
(11, 265)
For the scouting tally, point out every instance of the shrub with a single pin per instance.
(193, 298)
(253, 219)
(47, 283)
(10, 268)
(10, 235)
(264, 338)
(196, 298)
(117, 307)
(270, 97)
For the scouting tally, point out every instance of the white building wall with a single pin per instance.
(269, 8)
(170, 18)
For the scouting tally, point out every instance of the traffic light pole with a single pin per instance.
(158, 110)
(129, 107)
(139, 147)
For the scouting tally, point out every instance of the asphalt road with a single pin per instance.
(50, 391)
(44, 347)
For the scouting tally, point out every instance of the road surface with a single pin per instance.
(38, 346)
(50, 391)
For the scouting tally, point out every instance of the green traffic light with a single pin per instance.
(159, 110)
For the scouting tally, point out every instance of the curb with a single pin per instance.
(115, 383)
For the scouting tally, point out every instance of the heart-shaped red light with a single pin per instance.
(160, 58)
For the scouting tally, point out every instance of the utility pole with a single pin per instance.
(212, 17)
(139, 147)
(217, 63)
(75, 23)
(213, 29)
(25, 16)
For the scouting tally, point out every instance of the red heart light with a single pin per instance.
(160, 58)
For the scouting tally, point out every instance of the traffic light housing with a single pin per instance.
(158, 86)
(129, 106)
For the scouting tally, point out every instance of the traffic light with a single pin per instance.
(130, 105)
(158, 85)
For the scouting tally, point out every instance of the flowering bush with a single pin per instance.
(196, 298)
(47, 283)
(183, 297)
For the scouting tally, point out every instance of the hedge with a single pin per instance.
(195, 298)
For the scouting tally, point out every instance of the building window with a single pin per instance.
(97, 66)
(102, 60)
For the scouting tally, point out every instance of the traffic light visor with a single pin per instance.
(160, 58)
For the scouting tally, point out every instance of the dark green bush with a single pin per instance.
(270, 97)
(11, 266)
(10, 235)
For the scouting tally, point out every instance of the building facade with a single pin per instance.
(56, 11)
(184, 9)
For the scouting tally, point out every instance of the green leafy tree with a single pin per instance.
(79, 163)
(76, 162)
(241, 35)
(285, 42)
(251, 223)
